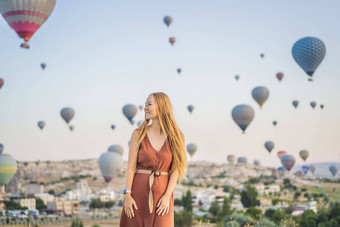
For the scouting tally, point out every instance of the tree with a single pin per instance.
(51, 192)
(226, 208)
(183, 218)
(275, 201)
(269, 213)
(254, 212)
(214, 208)
(39, 203)
(77, 223)
(187, 201)
(297, 195)
(249, 196)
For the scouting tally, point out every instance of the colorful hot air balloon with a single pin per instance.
(304, 154)
(333, 169)
(1, 147)
(288, 161)
(308, 53)
(269, 145)
(191, 148)
(71, 127)
(295, 103)
(130, 111)
(260, 94)
(281, 169)
(242, 115)
(321, 106)
(313, 104)
(305, 169)
(26, 16)
(110, 163)
(312, 168)
(167, 20)
(172, 40)
(256, 162)
(1, 82)
(67, 114)
(116, 148)
(190, 108)
(41, 125)
(179, 70)
(113, 127)
(281, 153)
(8, 167)
(237, 77)
(279, 76)
(242, 160)
(274, 123)
(43, 65)
(231, 158)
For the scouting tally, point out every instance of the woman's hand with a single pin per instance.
(129, 203)
(163, 205)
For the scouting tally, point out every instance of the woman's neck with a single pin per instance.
(155, 127)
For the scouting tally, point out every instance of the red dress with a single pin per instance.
(149, 159)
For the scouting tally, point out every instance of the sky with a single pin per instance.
(103, 55)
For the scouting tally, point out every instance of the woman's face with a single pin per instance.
(150, 108)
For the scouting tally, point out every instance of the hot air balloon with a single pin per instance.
(71, 127)
(110, 163)
(237, 77)
(179, 70)
(190, 108)
(130, 111)
(281, 169)
(242, 115)
(43, 65)
(321, 106)
(191, 148)
(67, 114)
(256, 162)
(139, 123)
(313, 104)
(262, 55)
(242, 160)
(279, 76)
(269, 145)
(312, 168)
(1, 147)
(260, 94)
(1, 82)
(281, 153)
(295, 103)
(172, 40)
(167, 20)
(308, 53)
(116, 148)
(231, 159)
(26, 16)
(333, 169)
(113, 127)
(8, 167)
(304, 154)
(41, 125)
(288, 161)
(305, 169)
(274, 123)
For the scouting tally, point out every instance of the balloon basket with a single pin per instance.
(25, 46)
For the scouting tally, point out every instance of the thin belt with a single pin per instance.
(153, 173)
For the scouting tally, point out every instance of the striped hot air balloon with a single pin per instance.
(26, 16)
(8, 167)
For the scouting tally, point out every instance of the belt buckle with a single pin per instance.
(157, 173)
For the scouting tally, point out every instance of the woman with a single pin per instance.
(156, 161)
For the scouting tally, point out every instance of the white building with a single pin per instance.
(34, 188)
(45, 197)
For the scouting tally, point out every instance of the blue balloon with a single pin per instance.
(308, 53)
(305, 169)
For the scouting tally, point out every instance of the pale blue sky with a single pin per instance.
(103, 54)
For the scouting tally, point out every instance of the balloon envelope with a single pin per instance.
(269, 145)
(67, 114)
(71, 127)
(274, 123)
(172, 40)
(167, 20)
(231, 159)
(279, 76)
(26, 16)
(1, 82)
(242, 115)
(308, 53)
(333, 169)
(313, 104)
(113, 127)
(179, 70)
(305, 169)
(241, 160)
(295, 103)
(312, 168)
(110, 163)
(256, 162)
(1, 148)
(260, 94)
(288, 161)
(8, 167)
(191, 148)
(116, 148)
(281, 153)
(304, 154)
(321, 106)
(139, 123)
(130, 111)
(237, 77)
(41, 124)
(43, 65)
(190, 108)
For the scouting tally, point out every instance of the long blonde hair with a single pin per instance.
(169, 128)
